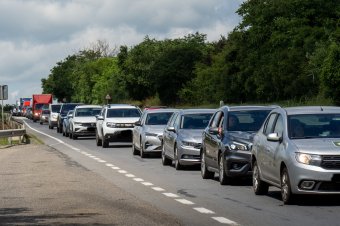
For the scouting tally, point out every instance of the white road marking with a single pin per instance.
(204, 210)
(138, 179)
(158, 189)
(101, 161)
(224, 220)
(122, 171)
(221, 220)
(171, 195)
(109, 164)
(185, 202)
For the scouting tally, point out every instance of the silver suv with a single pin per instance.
(298, 150)
(115, 123)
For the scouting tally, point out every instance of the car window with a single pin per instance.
(279, 126)
(221, 123)
(215, 119)
(159, 118)
(123, 113)
(269, 124)
(195, 121)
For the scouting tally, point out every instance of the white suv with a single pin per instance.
(115, 123)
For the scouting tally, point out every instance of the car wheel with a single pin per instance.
(70, 136)
(105, 143)
(286, 191)
(178, 165)
(260, 187)
(98, 141)
(223, 178)
(41, 123)
(141, 150)
(205, 173)
(134, 149)
(74, 137)
(165, 160)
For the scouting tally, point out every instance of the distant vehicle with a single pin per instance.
(182, 137)
(148, 131)
(54, 112)
(65, 107)
(83, 121)
(40, 102)
(66, 123)
(29, 113)
(227, 141)
(298, 150)
(44, 116)
(115, 123)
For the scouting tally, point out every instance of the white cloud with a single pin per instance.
(36, 34)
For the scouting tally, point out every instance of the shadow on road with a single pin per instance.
(19, 216)
(310, 200)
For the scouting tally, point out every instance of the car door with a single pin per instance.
(167, 134)
(210, 140)
(274, 149)
(262, 145)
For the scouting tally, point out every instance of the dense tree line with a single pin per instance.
(281, 50)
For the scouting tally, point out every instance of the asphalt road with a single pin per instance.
(184, 194)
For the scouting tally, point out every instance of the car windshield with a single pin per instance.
(41, 106)
(55, 108)
(159, 118)
(123, 113)
(246, 121)
(66, 107)
(86, 112)
(195, 121)
(314, 126)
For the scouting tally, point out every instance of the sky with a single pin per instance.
(36, 34)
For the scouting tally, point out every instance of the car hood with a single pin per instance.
(157, 129)
(322, 146)
(122, 120)
(242, 137)
(193, 135)
(91, 119)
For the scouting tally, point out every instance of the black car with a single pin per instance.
(64, 109)
(227, 141)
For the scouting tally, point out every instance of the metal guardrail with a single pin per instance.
(18, 129)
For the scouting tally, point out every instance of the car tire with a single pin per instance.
(98, 141)
(74, 137)
(141, 150)
(205, 173)
(286, 191)
(165, 160)
(222, 177)
(134, 149)
(260, 187)
(105, 143)
(41, 123)
(70, 136)
(178, 165)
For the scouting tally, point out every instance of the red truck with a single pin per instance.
(40, 102)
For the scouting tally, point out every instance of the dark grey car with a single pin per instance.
(298, 150)
(227, 141)
(182, 137)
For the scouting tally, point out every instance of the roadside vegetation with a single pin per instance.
(284, 52)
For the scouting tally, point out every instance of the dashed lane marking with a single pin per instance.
(129, 175)
(158, 189)
(224, 220)
(204, 210)
(138, 179)
(147, 183)
(109, 165)
(122, 171)
(185, 201)
(170, 195)
(115, 167)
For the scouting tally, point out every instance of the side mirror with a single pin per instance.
(274, 137)
(214, 130)
(100, 117)
(171, 128)
(138, 123)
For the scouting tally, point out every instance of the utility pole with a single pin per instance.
(3, 96)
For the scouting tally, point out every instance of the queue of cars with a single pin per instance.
(296, 149)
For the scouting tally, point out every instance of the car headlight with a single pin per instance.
(111, 124)
(189, 144)
(308, 159)
(235, 146)
(151, 134)
(77, 124)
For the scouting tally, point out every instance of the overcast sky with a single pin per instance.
(36, 34)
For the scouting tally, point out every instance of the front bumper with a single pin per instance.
(189, 155)
(85, 130)
(153, 144)
(325, 181)
(237, 163)
(118, 134)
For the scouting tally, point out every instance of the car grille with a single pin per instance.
(88, 124)
(329, 186)
(330, 162)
